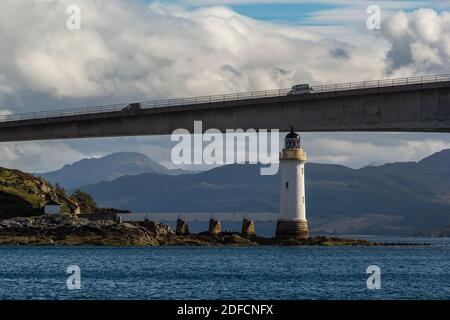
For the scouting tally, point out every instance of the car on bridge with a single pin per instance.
(132, 107)
(300, 89)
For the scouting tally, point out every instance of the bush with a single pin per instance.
(85, 201)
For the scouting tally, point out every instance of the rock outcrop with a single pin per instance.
(22, 194)
(71, 230)
(68, 229)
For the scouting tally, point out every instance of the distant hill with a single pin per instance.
(22, 194)
(395, 198)
(442, 232)
(90, 171)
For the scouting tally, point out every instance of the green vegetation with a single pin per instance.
(22, 185)
(22, 194)
(85, 201)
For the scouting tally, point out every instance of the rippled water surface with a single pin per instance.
(407, 272)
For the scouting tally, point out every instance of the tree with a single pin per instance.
(59, 190)
(85, 201)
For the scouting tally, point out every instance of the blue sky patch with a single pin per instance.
(287, 13)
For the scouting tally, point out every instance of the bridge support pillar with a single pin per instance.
(215, 227)
(248, 228)
(182, 227)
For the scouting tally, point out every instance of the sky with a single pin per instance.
(141, 50)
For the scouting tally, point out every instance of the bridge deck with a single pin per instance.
(419, 104)
(338, 87)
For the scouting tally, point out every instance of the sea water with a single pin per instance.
(407, 272)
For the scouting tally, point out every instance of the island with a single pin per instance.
(72, 230)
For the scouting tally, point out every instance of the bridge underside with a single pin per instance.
(409, 108)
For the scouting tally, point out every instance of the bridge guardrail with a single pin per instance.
(224, 97)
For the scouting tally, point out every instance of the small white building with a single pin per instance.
(52, 207)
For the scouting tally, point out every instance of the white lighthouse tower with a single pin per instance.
(292, 221)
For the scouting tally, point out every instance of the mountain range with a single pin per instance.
(394, 198)
(110, 167)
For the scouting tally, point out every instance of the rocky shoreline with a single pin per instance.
(72, 230)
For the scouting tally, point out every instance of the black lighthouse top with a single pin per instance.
(292, 140)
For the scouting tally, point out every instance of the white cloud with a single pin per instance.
(420, 42)
(355, 12)
(37, 156)
(358, 150)
(127, 50)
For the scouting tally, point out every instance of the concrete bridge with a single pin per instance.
(419, 104)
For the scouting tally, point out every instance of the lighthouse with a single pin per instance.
(292, 221)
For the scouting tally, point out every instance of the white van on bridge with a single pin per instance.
(300, 89)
